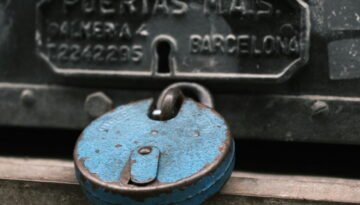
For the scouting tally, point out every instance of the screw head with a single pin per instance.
(97, 104)
(320, 108)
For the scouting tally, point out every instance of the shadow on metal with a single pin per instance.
(252, 156)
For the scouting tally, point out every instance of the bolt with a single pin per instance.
(97, 104)
(320, 108)
(28, 97)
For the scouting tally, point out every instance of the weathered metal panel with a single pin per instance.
(211, 40)
(344, 59)
(32, 93)
(270, 117)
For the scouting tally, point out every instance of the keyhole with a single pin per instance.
(163, 49)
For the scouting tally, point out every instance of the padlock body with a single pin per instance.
(210, 185)
(195, 156)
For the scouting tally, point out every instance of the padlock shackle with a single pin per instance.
(171, 97)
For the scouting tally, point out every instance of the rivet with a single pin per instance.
(28, 97)
(97, 104)
(320, 108)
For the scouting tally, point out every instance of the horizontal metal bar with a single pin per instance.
(48, 181)
(304, 118)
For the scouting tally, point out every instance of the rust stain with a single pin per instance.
(125, 175)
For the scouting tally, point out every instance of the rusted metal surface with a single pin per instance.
(167, 105)
(190, 158)
(32, 91)
(262, 116)
(282, 44)
(52, 182)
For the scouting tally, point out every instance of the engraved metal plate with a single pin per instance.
(226, 39)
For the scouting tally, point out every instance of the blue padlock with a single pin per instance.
(126, 157)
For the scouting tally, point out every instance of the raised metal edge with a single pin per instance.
(242, 187)
(280, 77)
(246, 114)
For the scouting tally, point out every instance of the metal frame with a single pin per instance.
(328, 119)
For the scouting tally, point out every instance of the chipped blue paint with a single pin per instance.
(194, 195)
(141, 162)
(187, 144)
